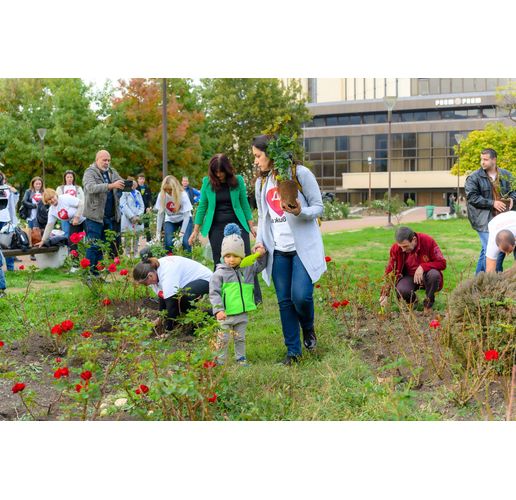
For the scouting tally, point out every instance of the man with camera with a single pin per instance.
(101, 184)
(9, 197)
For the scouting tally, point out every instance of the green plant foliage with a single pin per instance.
(280, 151)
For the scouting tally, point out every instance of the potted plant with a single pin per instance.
(279, 150)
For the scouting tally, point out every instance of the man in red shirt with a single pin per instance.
(415, 262)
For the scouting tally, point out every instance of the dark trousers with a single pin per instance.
(216, 235)
(73, 230)
(177, 305)
(406, 287)
(95, 231)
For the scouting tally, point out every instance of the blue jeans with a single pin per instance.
(9, 261)
(3, 285)
(65, 226)
(170, 230)
(481, 264)
(294, 290)
(97, 231)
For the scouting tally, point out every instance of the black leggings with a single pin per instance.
(216, 235)
(176, 306)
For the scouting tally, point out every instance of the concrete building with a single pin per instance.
(349, 125)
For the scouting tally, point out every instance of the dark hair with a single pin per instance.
(220, 162)
(262, 141)
(489, 151)
(65, 174)
(141, 174)
(404, 233)
(143, 268)
(505, 238)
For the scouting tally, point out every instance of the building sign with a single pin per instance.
(457, 101)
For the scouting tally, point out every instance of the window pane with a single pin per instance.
(328, 169)
(368, 142)
(355, 144)
(343, 120)
(424, 140)
(319, 121)
(433, 115)
(369, 118)
(489, 112)
(396, 141)
(409, 140)
(420, 116)
(439, 139)
(341, 167)
(331, 120)
(407, 116)
(315, 145)
(329, 144)
(409, 152)
(381, 141)
(423, 164)
(396, 165)
(355, 119)
(439, 164)
(341, 155)
(341, 143)
(355, 166)
(424, 153)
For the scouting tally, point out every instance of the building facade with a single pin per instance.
(346, 142)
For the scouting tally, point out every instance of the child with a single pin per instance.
(132, 208)
(231, 292)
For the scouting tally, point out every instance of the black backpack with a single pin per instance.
(20, 239)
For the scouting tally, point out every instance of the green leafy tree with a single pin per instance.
(506, 99)
(496, 136)
(238, 109)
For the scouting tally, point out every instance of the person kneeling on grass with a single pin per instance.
(416, 261)
(177, 281)
(231, 292)
(502, 238)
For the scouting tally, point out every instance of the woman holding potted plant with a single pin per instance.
(289, 203)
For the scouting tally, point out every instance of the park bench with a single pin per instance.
(53, 256)
(16, 252)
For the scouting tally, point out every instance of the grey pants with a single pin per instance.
(232, 326)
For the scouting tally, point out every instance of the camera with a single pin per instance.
(128, 185)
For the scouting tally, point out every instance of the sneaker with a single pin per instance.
(289, 360)
(32, 257)
(309, 339)
(242, 361)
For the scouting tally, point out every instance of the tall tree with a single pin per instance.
(238, 109)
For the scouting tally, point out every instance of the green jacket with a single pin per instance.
(208, 202)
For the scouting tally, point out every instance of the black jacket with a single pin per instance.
(480, 196)
(146, 193)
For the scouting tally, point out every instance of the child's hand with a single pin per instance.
(260, 249)
(221, 315)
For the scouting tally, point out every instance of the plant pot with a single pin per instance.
(288, 193)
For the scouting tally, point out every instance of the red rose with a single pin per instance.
(144, 389)
(21, 268)
(74, 253)
(112, 268)
(209, 364)
(124, 272)
(84, 263)
(78, 387)
(86, 375)
(106, 302)
(169, 254)
(67, 325)
(116, 260)
(86, 335)
(19, 386)
(58, 360)
(434, 323)
(100, 266)
(213, 398)
(160, 294)
(327, 259)
(317, 286)
(344, 303)
(76, 237)
(491, 355)
(138, 391)
(336, 304)
(61, 372)
(56, 330)
(1, 344)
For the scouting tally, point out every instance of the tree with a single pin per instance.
(496, 136)
(238, 109)
(506, 99)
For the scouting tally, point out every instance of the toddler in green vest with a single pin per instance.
(231, 291)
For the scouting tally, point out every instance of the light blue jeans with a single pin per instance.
(9, 261)
(481, 264)
(3, 285)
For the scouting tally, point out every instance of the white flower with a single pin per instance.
(120, 402)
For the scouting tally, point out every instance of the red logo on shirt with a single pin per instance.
(273, 199)
(71, 192)
(170, 206)
(37, 197)
(63, 214)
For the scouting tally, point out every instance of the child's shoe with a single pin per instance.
(242, 361)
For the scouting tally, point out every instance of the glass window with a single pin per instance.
(395, 116)
(317, 169)
(396, 141)
(343, 120)
(381, 165)
(439, 164)
(420, 116)
(439, 152)
(355, 144)
(474, 113)
(439, 139)
(409, 140)
(368, 142)
(355, 119)
(381, 117)
(328, 155)
(329, 144)
(424, 153)
(407, 116)
(356, 155)
(369, 118)
(397, 153)
(409, 152)
(410, 165)
(341, 143)
(319, 121)
(355, 166)
(331, 120)
(433, 115)
(328, 169)
(315, 145)
(424, 140)
(381, 141)
(489, 112)
(341, 155)
(448, 114)
(341, 167)
(396, 164)
(424, 164)
(461, 114)
(381, 153)
(307, 145)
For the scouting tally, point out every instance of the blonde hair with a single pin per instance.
(48, 194)
(171, 186)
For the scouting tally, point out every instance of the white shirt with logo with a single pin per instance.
(65, 209)
(281, 232)
(505, 220)
(71, 190)
(37, 196)
(172, 214)
(175, 272)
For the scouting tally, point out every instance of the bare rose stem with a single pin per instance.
(27, 408)
(156, 374)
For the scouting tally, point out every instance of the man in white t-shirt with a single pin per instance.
(502, 233)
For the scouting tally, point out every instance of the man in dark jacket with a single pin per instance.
(101, 184)
(146, 193)
(489, 191)
(415, 262)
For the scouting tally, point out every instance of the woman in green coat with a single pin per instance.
(223, 200)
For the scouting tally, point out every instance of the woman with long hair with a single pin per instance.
(175, 211)
(70, 187)
(291, 235)
(30, 201)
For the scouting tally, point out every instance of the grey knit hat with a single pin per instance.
(232, 242)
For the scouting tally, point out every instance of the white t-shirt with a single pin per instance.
(36, 198)
(505, 220)
(171, 214)
(65, 209)
(281, 232)
(175, 272)
(71, 190)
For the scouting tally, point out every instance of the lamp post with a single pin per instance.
(458, 138)
(390, 102)
(42, 132)
(164, 121)
(369, 162)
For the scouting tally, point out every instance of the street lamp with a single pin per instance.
(42, 132)
(369, 162)
(458, 138)
(389, 102)
(164, 123)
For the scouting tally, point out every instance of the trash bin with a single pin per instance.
(429, 211)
